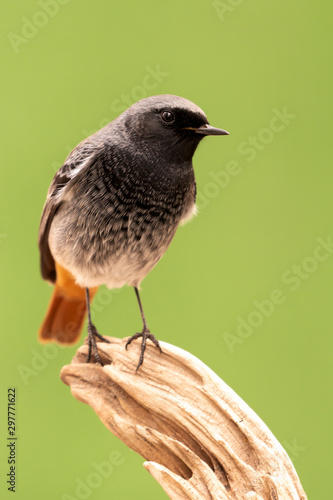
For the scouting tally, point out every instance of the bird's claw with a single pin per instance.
(92, 333)
(146, 335)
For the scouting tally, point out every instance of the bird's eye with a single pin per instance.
(167, 116)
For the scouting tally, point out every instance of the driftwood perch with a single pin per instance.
(200, 439)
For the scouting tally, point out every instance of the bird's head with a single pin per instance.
(167, 125)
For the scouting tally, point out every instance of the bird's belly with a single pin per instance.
(125, 267)
(97, 254)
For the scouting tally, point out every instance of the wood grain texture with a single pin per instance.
(200, 440)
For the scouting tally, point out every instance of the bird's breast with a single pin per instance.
(114, 227)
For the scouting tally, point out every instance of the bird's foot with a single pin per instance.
(92, 334)
(146, 335)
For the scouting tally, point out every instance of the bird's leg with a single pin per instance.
(145, 334)
(92, 333)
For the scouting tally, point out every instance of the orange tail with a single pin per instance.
(67, 310)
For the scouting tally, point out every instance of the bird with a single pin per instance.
(113, 208)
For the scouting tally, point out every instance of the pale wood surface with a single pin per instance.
(200, 440)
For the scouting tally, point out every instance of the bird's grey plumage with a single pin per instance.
(114, 206)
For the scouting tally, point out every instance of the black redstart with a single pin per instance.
(113, 208)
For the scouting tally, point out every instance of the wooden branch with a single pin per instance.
(200, 439)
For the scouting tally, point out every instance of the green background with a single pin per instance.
(238, 63)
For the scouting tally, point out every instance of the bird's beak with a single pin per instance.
(209, 130)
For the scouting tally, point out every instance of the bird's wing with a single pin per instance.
(81, 158)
